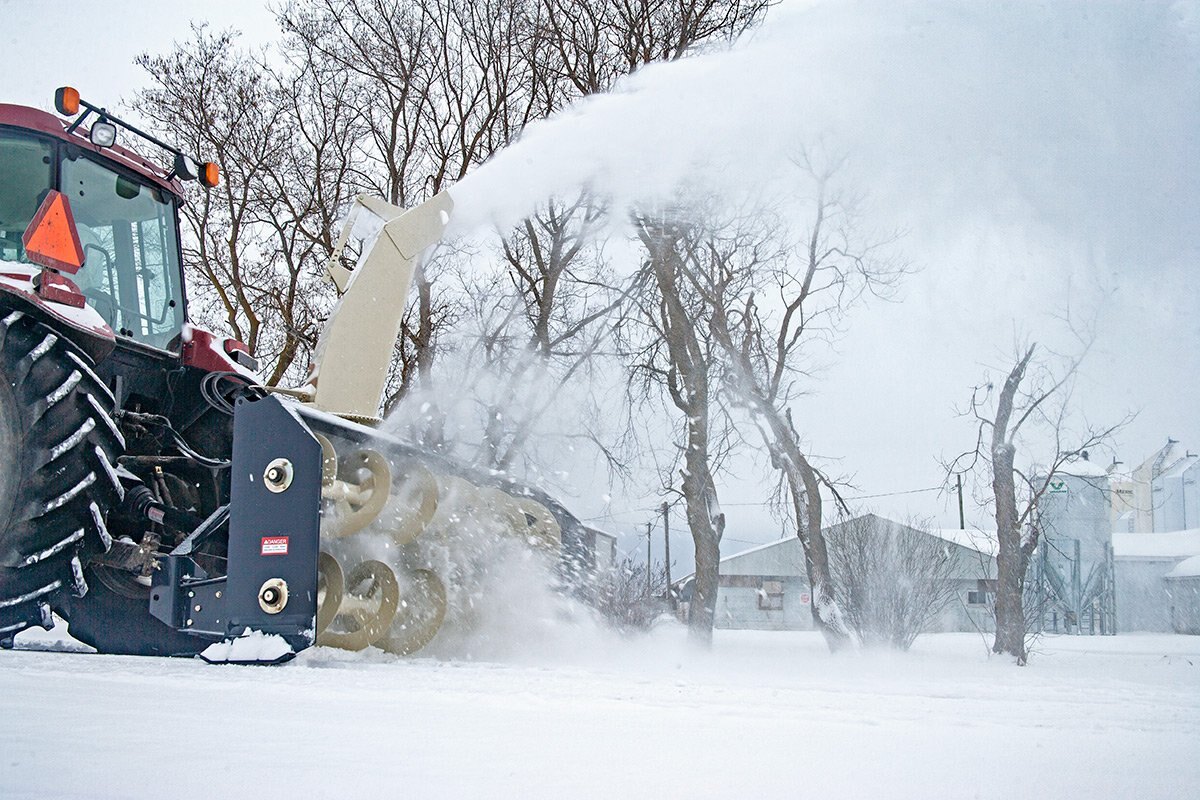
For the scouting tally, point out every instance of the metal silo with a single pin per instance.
(1074, 564)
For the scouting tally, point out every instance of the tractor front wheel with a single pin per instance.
(58, 450)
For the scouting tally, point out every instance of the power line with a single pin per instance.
(894, 494)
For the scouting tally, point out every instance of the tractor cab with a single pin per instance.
(124, 210)
(126, 226)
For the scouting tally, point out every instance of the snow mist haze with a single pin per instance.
(1074, 117)
(1040, 162)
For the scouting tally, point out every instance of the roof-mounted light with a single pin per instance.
(210, 174)
(66, 100)
(104, 134)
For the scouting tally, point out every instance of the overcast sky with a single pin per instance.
(92, 45)
(1113, 231)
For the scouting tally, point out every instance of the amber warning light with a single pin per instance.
(66, 100)
(210, 174)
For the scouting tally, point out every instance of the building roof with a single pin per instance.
(1188, 568)
(1175, 544)
(1181, 466)
(980, 541)
(1082, 468)
(600, 532)
(757, 548)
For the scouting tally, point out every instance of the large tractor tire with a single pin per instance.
(58, 450)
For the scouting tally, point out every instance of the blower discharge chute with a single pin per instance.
(155, 494)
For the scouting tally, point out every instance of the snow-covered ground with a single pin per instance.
(762, 715)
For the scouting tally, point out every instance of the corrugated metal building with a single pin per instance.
(1175, 496)
(1183, 587)
(1074, 569)
(1143, 561)
(766, 587)
(1161, 494)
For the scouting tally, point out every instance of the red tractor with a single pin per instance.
(152, 492)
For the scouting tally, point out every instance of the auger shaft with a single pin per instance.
(416, 516)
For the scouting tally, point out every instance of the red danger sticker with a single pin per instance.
(274, 545)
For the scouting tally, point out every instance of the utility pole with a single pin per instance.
(666, 511)
(649, 564)
(962, 520)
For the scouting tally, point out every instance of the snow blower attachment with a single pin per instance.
(155, 494)
(339, 534)
(348, 548)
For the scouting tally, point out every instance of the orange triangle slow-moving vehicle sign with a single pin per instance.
(51, 239)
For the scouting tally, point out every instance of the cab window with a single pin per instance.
(131, 267)
(26, 164)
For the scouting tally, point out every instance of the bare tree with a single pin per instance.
(535, 330)
(892, 581)
(629, 600)
(439, 85)
(258, 242)
(566, 298)
(682, 358)
(810, 283)
(720, 344)
(1033, 411)
(598, 42)
(548, 327)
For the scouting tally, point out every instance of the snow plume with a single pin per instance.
(1078, 116)
(504, 601)
(1037, 156)
(517, 414)
(1030, 150)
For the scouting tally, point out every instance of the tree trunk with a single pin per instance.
(805, 491)
(1010, 562)
(1010, 572)
(708, 525)
(688, 383)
